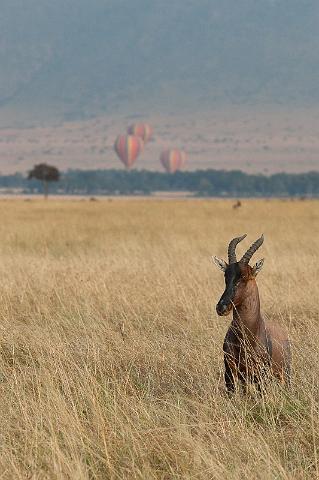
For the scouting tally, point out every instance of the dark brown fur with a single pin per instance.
(252, 347)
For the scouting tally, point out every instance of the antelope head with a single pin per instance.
(237, 275)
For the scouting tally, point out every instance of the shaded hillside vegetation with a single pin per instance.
(78, 58)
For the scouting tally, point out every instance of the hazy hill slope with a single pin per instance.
(77, 57)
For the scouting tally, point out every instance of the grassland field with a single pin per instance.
(111, 351)
(266, 140)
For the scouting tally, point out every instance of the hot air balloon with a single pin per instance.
(173, 159)
(128, 147)
(142, 130)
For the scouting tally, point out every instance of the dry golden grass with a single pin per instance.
(111, 364)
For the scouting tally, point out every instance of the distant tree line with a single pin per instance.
(200, 182)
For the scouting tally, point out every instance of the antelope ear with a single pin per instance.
(220, 263)
(257, 267)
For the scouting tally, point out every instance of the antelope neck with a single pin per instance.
(247, 315)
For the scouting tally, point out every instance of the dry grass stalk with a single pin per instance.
(78, 402)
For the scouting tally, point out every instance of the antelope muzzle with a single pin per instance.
(225, 306)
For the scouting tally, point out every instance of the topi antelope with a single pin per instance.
(237, 205)
(251, 347)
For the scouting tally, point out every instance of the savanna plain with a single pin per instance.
(111, 360)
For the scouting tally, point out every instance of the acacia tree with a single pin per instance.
(45, 173)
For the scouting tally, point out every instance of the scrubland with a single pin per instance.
(254, 140)
(111, 351)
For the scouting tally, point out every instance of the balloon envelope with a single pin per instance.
(173, 159)
(128, 147)
(142, 130)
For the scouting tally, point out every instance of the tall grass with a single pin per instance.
(111, 364)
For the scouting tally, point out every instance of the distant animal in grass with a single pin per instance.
(237, 205)
(254, 349)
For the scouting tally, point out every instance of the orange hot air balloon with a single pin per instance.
(173, 159)
(142, 130)
(128, 148)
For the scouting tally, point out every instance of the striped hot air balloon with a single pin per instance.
(142, 130)
(128, 148)
(173, 159)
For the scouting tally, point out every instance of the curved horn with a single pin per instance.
(232, 247)
(250, 252)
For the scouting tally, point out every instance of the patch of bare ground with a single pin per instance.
(263, 141)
